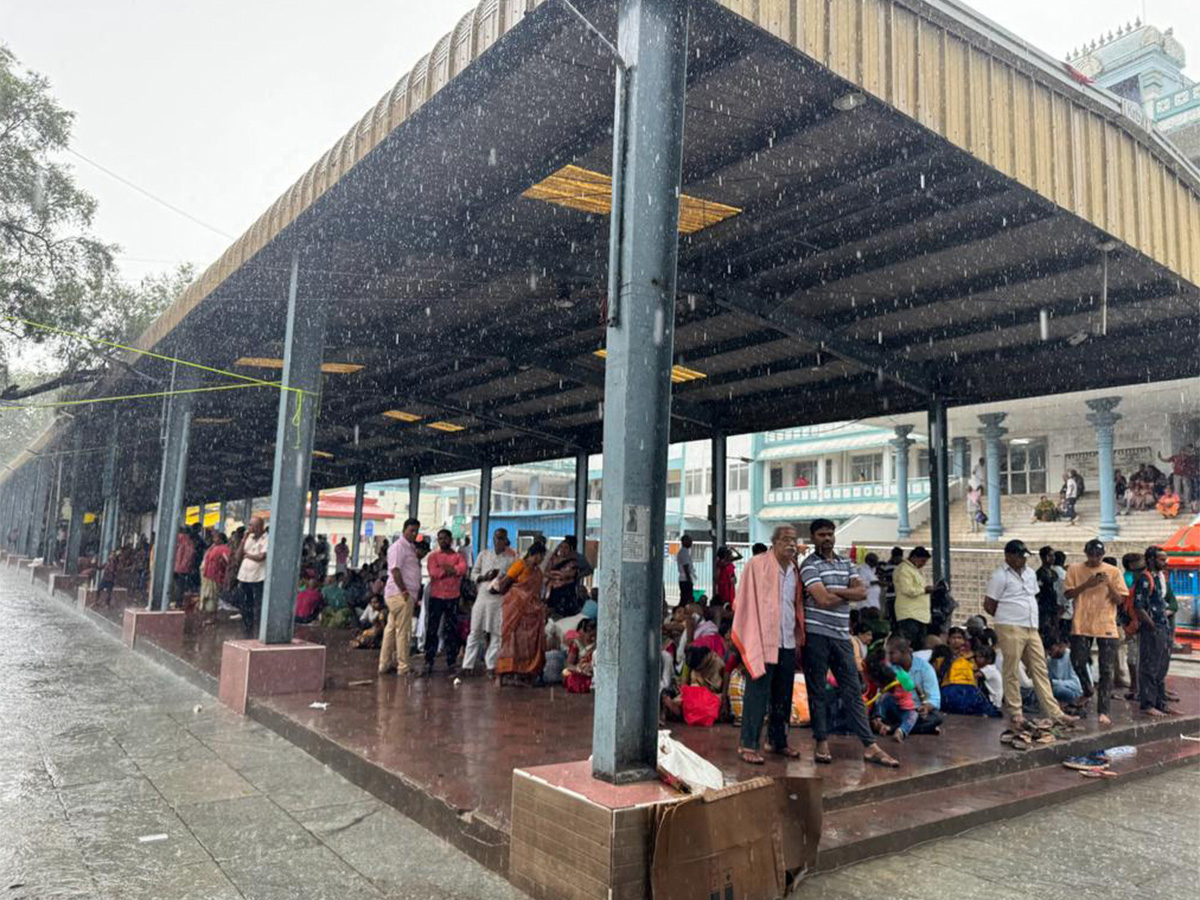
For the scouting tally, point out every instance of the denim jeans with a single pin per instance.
(891, 714)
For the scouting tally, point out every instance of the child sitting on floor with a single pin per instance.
(960, 682)
(989, 674)
(895, 703)
(373, 618)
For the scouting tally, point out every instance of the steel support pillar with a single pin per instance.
(484, 516)
(414, 495)
(222, 515)
(33, 512)
(108, 487)
(1103, 419)
(299, 401)
(314, 510)
(992, 431)
(902, 442)
(939, 488)
(960, 458)
(719, 497)
(172, 480)
(360, 493)
(652, 39)
(52, 513)
(581, 499)
(75, 523)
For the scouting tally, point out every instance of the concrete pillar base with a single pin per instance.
(67, 584)
(40, 572)
(87, 596)
(13, 560)
(251, 668)
(152, 625)
(559, 810)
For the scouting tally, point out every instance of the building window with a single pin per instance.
(923, 462)
(804, 473)
(776, 477)
(1023, 466)
(738, 477)
(697, 482)
(866, 468)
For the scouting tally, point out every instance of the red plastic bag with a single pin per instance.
(700, 705)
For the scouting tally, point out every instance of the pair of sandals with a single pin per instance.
(754, 758)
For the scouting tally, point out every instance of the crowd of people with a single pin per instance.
(863, 649)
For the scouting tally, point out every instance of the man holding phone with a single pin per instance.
(1097, 589)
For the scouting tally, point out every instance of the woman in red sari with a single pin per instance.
(523, 622)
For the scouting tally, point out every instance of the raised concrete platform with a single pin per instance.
(86, 596)
(445, 756)
(250, 668)
(64, 585)
(42, 572)
(160, 626)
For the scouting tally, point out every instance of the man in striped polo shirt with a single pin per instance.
(830, 585)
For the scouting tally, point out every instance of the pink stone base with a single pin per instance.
(251, 668)
(89, 596)
(66, 583)
(42, 572)
(12, 560)
(152, 625)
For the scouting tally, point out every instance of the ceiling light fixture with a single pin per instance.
(1077, 338)
(447, 426)
(211, 420)
(679, 374)
(849, 101)
(271, 362)
(323, 454)
(591, 192)
(401, 416)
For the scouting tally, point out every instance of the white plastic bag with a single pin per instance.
(686, 767)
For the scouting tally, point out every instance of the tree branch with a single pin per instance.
(14, 392)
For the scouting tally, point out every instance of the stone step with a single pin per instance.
(874, 828)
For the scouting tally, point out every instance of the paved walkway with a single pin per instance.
(1129, 842)
(120, 780)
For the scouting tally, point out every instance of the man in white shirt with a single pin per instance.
(252, 572)
(486, 613)
(979, 474)
(1070, 495)
(687, 572)
(868, 572)
(400, 595)
(1011, 601)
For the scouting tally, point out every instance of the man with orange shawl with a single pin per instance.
(768, 631)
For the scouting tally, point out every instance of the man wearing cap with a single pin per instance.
(912, 598)
(1097, 588)
(1011, 601)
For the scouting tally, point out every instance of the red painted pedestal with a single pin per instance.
(251, 668)
(153, 625)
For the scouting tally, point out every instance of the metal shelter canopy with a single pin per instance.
(878, 256)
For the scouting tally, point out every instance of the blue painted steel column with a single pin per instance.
(314, 510)
(108, 487)
(652, 37)
(939, 487)
(31, 508)
(414, 495)
(52, 513)
(758, 529)
(901, 443)
(222, 515)
(992, 431)
(360, 493)
(720, 473)
(75, 523)
(960, 458)
(177, 427)
(484, 516)
(581, 500)
(299, 403)
(1103, 418)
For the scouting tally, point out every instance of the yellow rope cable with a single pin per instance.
(199, 390)
(183, 362)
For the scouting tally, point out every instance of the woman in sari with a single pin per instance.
(523, 620)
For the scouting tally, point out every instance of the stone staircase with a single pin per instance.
(1137, 530)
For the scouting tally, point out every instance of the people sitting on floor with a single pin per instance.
(372, 619)
(336, 611)
(961, 693)
(925, 681)
(1168, 503)
(308, 602)
(577, 674)
(894, 703)
(989, 674)
(1063, 679)
(1045, 510)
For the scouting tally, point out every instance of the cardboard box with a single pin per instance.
(741, 843)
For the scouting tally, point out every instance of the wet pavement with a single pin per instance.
(120, 780)
(1129, 842)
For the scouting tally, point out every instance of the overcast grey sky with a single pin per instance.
(217, 106)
